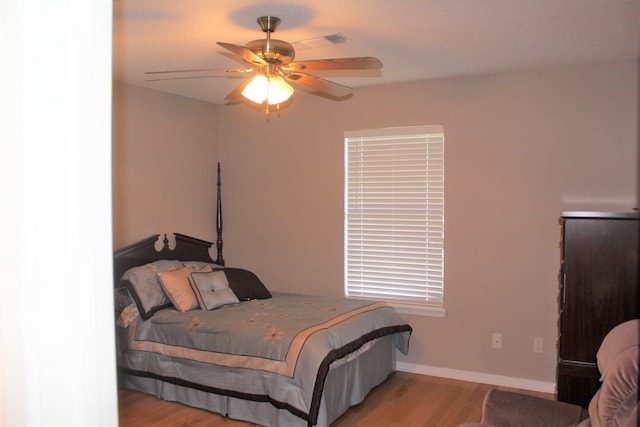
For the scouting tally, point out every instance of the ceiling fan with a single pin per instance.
(273, 68)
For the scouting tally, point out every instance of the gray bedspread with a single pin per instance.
(277, 350)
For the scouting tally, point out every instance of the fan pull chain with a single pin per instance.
(267, 111)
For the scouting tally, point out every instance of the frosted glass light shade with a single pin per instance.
(275, 90)
(257, 89)
(279, 90)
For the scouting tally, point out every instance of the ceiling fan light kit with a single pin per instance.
(272, 89)
(272, 63)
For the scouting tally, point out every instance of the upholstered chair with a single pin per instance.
(615, 404)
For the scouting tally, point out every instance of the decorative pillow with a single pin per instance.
(128, 315)
(212, 290)
(145, 288)
(245, 284)
(211, 280)
(176, 286)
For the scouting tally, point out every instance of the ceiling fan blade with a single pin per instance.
(184, 78)
(358, 63)
(236, 94)
(244, 53)
(203, 70)
(319, 84)
(205, 73)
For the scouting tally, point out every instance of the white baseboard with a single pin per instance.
(478, 377)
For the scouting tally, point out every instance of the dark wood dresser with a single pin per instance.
(598, 290)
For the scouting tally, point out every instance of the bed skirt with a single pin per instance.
(348, 382)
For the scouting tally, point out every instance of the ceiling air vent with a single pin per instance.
(321, 41)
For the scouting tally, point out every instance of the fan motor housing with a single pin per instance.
(272, 50)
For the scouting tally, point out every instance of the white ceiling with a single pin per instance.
(414, 39)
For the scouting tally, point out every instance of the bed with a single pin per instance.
(195, 331)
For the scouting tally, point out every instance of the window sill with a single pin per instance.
(418, 309)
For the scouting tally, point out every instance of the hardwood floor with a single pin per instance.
(403, 400)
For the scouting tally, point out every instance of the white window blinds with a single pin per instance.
(394, 214)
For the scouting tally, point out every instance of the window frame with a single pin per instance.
(403, 151)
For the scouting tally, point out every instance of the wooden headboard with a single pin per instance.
(187, 248)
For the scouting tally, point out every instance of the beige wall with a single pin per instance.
(520, 148)
(165, 149)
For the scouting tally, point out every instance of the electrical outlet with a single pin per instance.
(538, 345)
(496, 340)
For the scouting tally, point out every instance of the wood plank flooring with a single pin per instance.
(403, 400)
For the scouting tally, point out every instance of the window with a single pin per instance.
(394, 215)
